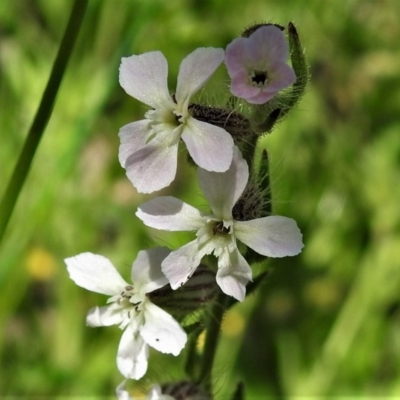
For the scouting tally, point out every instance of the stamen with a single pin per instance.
(220, 229)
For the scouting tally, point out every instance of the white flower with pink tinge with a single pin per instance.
(257, 65)
(149, 147)
(144, 323)
(272, 236)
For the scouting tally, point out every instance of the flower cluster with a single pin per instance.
(221, 142)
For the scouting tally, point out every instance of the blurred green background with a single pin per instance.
(327, 323)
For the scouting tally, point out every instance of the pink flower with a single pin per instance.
(257, 65)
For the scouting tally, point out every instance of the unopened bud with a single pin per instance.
(193, 296)
(251, 29)
(185, 390)
(251, 204)
(233, 122)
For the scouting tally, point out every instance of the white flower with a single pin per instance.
(154, 393)
(149, 147)
(144, 323)
(272, 236)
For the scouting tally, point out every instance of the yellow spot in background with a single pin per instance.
(40, 264)
(322, 293)
(279, 305)
(233, 324)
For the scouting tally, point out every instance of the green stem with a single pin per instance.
(42, 115)
(213, 333)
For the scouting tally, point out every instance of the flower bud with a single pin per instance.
(193, 296)
(233, 122)
(251, 29)
(185, 390)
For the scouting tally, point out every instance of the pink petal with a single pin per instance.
(273, 236)
(210, 147)
(170, 214)
(222, 190)
(268, 43)
(153, 167)
(234, 56)
(282, 76)
(195, 70)
(144, 77)
(240, 87)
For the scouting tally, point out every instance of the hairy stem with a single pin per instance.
(213, 333)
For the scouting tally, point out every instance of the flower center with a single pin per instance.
(220, 229)
(127, 293)
(259, 78)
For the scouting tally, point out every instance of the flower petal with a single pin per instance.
(170, 214)
(273, 236)
(180, 265)
(146, 270)
(194, 72)
(267, 43)
(132, 355)
(106, 316)
(121, 393)
(132, 136)
(153, 167)
(241, 87)
(96, 273)
(210, 147)
(144, 77)
(161, 331)
(234, 54)
(155, 393)
(233, 274)
(282, 76)
(223, 190)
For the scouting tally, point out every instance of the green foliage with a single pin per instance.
(326, 323)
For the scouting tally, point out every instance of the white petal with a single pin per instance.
(195, 70)
(273, 236)
(105, 316)
(121, 393)
(144, 77)
(152, 167)
(210, 147)
(180, 265)
(146, 270)
(233, 274)
(170, 214)
(161, 331)
(223, 190)
(132, 136)
(132, 355)
(155, 393)
(96, 273)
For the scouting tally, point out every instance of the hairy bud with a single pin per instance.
(251, 29)
(185, 390)
(193, 296)
(233, 122)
